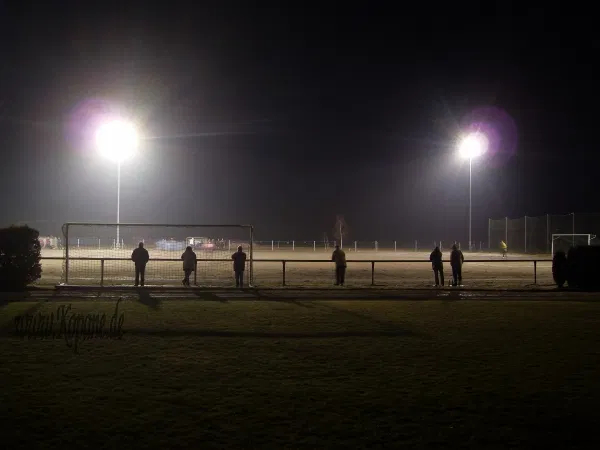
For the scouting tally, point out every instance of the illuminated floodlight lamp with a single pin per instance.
(473, 145)
(117, 140)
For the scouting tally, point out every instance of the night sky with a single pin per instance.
(284, 118)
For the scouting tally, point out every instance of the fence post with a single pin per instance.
(506, 230)
(102, 272)
(416, 246)
(376, 245)
(372, 273)
(534, 272)
(196, 273)
(548, 237)
(440, 245)
(77, 242)
(98, 243)
(228, 244)
(283, 273)
(395, 245)
(489, 233)
(355, 247)
(272, 246)
(293, 245)
(525, 234)
(314, 246)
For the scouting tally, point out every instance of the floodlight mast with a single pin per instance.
(472, 146)
(117, 141)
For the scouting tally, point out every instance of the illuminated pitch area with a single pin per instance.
(499, 273)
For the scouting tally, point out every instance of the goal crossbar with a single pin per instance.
(582, 238)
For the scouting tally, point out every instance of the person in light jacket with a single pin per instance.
(189, 264)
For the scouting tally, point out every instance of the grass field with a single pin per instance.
(495, 273)
(308, 374)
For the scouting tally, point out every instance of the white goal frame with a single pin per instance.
(572, 236)
(250, 228)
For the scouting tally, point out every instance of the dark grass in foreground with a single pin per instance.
(316, 374)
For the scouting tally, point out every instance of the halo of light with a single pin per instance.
(117, 140)
(473, 145)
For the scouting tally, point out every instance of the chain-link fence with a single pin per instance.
(535, 234)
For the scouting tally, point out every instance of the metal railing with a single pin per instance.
(284, 263)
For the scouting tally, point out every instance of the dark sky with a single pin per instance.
(285, 117)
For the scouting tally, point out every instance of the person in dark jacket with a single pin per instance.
(339, 258)
(456, 261)
(189, 264)
(239, 264)
(437, 265)
(140, 257)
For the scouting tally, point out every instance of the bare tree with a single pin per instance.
(340, 230)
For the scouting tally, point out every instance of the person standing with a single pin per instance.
(504, 249)
(456, 261)
(239, 265)
(140, 257)
(189, 264)
(339, 258)
(437, 265)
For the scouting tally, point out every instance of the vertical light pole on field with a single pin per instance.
(117, 141)
(472, 146)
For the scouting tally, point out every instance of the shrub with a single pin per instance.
(583, 267)
(20, 254)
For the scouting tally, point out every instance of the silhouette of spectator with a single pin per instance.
(456, 261)
(189, 264)
(504, 248)
(437, 265)
(239, 265)
(339, 258)
(140, 257)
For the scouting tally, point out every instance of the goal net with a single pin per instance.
(100, 254)
(563, 242)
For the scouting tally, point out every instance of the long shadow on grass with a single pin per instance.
(391, 326)
(267, 334)
(146, 299)
(210, 296)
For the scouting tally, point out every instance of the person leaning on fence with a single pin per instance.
(437, 265)
(456, 261)
(239, 264)
(339, 258)
(504, 249)
(140, 257)
(189, 264)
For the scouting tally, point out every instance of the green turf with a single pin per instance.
(315, 374)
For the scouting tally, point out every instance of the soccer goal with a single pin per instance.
(563, 242)
(100, 254)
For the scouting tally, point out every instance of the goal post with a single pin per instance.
(563, 242)
(92, 255)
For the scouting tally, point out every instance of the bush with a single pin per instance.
(20, 254)
(583, 267)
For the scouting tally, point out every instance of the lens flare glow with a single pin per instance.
(117, 140)
(473, 145)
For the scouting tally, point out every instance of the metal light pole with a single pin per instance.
(117, 141)
(472, 146)
(470, 202)
(118, 201)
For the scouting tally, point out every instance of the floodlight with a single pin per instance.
(117, 140)
(473, 145)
